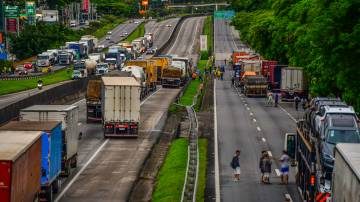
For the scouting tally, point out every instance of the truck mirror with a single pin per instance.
(290, 144)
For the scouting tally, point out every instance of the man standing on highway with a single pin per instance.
(222, 71)
(235, 165)
(284, 169)
(297, 101)
(276, 99)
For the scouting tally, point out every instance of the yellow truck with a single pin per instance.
(161, 63)
(150, 70)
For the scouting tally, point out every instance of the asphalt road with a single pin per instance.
(117, 31)
(161, 31)
(250, 125)
(187, 41)
(8, 99)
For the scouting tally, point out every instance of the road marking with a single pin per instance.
(216, 151)
(270, 154)
(258, 128)
(254, 120)
(245, 104)
(251, 114)
(263, 139)
(287, 196)
(81, 171)
(78, 102)
(288, 113)
(248, 108)
(177, 37)
(150, 96)
(194, 38)
(277, 172)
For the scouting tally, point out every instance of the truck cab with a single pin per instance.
(102, 68)
(44, 60)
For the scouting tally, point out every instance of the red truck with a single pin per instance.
(272, 72)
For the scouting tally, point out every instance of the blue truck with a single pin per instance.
(51, 148)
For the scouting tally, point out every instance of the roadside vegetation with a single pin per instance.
(170, 179)
(200, 194)
(138, 32)
(12, 86)
(321, 36)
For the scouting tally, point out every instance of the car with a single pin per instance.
(28, 65)
(72, 23)
(123, 34)
(109, 33)
(168, 25)
(108, 37)
(332, 110)
(136, 22)
(150, 52)
(338, 128)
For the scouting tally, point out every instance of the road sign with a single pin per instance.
(203, 42)
(224, 14)
(11, 11)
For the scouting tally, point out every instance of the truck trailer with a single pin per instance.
(51, 147)
(93, 101)
(20, 165)
(292, 83)
(69, 117)
(171, 77)
(120, 106)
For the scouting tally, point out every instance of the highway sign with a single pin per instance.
(11, 11)
(224, 14)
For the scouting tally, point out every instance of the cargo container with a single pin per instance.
(273, 74)
(120, 106)
(51, 147)
(93, 101)
(20, 165)
(171, 77)
(292, 83)
(238, 56)
(255, 86)
(346, 180)
(150, 70)
(69, 117)
(161, 63)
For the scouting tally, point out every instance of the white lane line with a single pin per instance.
(251, 114)
(277, 172)
(245, 104)
(177, 37)
(150, 96)
(194, 38)
(288, 113)
(78, 102)
(247, 108)
(287, 196)
(81, 170)
(270, 154)
(254, 120)
(216, 151)
(263, 139)
(258, 128)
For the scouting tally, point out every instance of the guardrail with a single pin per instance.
(38, 75)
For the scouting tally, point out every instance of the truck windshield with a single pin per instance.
(64, 56)
(101, 66)
(111, 55)
(79, 66)
(43, 57)
(110, 61)
(343, 136)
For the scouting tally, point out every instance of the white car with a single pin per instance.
(109, 32)
(123, 34)
(168, 25)
(108, 37)
(136, 22)
(72, 23)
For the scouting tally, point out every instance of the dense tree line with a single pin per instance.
(323, 36)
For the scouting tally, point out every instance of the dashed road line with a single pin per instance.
(254, 120)
(258, 128)
(263, 139)
(251, 114)
(287, 196)
(277, 172)
(248, 108)
(288, 114)
(270, 154)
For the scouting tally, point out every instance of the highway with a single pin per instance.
(161, 30)
(249, 125)
(187, 41)
(108, 168)
(8, 99)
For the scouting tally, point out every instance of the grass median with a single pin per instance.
(200, 194)
(170, 180)
(138, 32)
(13, 86)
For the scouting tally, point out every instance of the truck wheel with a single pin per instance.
(49, 194)
(55, 186)
(74, 162)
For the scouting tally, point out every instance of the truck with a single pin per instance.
(64, 58)
(45, 59)
(50, 16)
(139, 74)
(346, 179)
(113, 58)
(150, 38)
(78, 47)
(161, 63)
(80, 70)
(255, 86)
(102, 68)
(183, 68)
(51, 147)
(171, 77)
(93, 101)
(69, 117)
(138, 46)
(90, 41)
(120, 105)
(292, 83)
(90, 66)
(150, 70)
(238, 56)
(98, 57)
(272, 72)
(20, 165)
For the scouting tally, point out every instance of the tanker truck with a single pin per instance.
(90, 66)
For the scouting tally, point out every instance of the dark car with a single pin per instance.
(339, 128)
(150, 52)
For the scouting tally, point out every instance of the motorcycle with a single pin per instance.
(39, 84)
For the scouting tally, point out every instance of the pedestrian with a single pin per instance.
(270, 99)
(304, 103)
(284, 167)
(297, 101)
(261, 166)
(276, 99)
(267, 168)
(235, 165)
(232, 81)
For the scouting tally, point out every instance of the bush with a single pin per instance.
(204, 55)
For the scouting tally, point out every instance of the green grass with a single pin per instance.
(107, 26)
(138, 32)
(200, 194)
(170, 180)
(208, 30)
(190, 92)
(12, 86)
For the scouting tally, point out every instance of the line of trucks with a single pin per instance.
(326, 152)
(256, 76)
(36, 151)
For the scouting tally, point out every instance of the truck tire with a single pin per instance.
(49, 194)
(55, 186)
(73, 163)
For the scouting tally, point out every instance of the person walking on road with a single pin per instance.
(235, 164)
(222, 70)
(276, 99)
(270, 99)
(284, 168)
(297, 101)
(267, 168)
(261, 166)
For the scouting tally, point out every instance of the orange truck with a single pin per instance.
(161, 63)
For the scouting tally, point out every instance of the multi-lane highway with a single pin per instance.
(162, 30)
(251, 126)
(108, 168)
